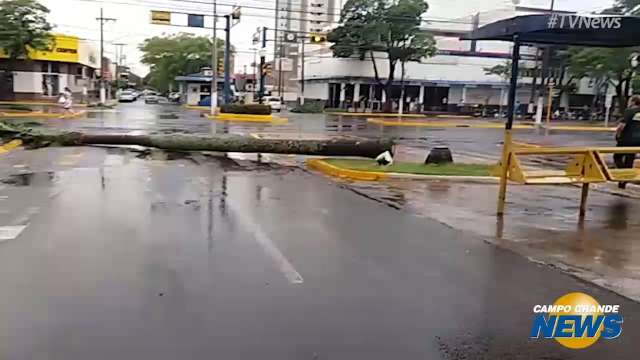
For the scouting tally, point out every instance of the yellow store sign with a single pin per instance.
(65, 49)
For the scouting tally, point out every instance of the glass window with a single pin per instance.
(55, 67)
(45, 67)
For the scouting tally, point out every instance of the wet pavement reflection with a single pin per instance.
(541, 223)
(468, 145)
(171, 255)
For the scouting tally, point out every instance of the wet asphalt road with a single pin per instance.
(134, 255)
(477, 145)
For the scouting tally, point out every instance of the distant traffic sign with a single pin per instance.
(161, 17)
(195, 20)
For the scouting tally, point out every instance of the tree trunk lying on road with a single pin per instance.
(219, 143)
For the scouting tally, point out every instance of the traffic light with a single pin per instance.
(235, 13)
(267, 69)
(318, 38)
(220, 65)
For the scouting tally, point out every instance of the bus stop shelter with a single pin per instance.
(552, 29)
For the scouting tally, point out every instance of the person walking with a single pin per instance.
(628, 134)
(67, 105)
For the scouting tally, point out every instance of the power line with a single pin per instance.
(143, 3)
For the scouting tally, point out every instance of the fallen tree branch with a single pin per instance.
(219, 143)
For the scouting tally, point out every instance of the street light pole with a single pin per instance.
(214, 63)
(227, 51)
(302, 73)
(102, 19)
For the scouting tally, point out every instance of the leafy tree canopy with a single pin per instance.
(385, 26)
(175, 55)
(24, 27)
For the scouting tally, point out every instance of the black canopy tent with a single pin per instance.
(554, 28)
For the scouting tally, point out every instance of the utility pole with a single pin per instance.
(255, 76)
(262, 58)
(227, 51)
(102, 19)
(118, 60)
(214, 63)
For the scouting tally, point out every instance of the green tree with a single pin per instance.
(390, 27)
(24, 27)
(605, 67)
(175, 55)
(502, 70)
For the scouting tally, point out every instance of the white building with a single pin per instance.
(453, 80)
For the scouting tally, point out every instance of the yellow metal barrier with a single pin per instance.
(587, 166)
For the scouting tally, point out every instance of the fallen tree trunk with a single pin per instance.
(220, 143)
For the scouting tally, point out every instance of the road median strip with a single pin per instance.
(479, 124)
(11, 145)
(247, 118)
(369, 170)
(41, 115)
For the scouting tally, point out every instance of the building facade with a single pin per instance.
(455, 80)
(302, 18)
(71, 63)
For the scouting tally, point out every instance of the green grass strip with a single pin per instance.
(414, 168)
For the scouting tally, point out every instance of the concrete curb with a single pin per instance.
(445, 124)
(453, 124)
(456, 178)
(247, 118)
(40, 115)
(11, 145)
(331, 170)
(336, 171)
(196, 107)
(376, 115)
(37, 103)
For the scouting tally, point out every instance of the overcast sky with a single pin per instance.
(77, 17)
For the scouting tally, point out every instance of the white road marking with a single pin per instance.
(269, 247)
(10, 232)
(24, 218)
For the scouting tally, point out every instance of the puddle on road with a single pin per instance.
(30, 179)
(541, 223)
(168, 116)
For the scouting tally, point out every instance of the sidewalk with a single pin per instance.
(541, 224)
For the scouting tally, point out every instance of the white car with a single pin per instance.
(151, 99)
(275, 103)
(127, 96)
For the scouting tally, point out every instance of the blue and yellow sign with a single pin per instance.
(576, 321)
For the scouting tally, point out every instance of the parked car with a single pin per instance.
(151, 99)
(175, 97)
(275, 103)
(207, 101)
(127, 96)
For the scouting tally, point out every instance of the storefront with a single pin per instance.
(70, 63)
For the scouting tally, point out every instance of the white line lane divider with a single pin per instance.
(269, 247)
(10, 232)
(18, 224)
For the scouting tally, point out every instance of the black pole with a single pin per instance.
(302, 75)
(227, 51)
(262, 77)
(514, 82)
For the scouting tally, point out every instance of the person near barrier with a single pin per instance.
(628, 134)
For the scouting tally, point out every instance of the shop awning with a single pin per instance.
(564, 29)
